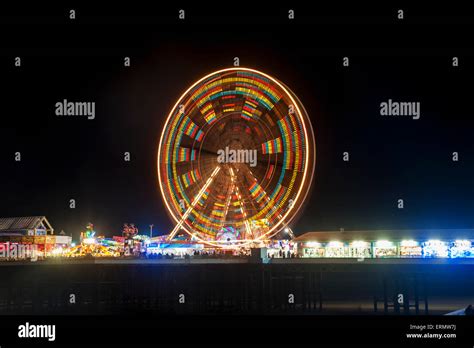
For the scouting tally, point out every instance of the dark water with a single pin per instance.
(234, 288)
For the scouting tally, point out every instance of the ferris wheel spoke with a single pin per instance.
(228, 200)
(246, 199)
(260, 193)
(265, 196)
(194, 202)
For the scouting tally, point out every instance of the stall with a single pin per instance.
(335, 249)
(435, 248)
(281, 248)
(461, 248)
(385, 248)
(312, 249)
(360, 249)
(172, 250)
(410, 248)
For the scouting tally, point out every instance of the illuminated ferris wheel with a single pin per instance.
(236, 158)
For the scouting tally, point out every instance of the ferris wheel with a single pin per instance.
(236, 158)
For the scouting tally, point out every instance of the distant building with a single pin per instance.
(25, 226)
(32, 230)
(452, 243)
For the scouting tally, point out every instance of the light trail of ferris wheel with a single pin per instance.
(244, 213)
(258, 107)
(229, 196)
(235, 188)
(193, 204)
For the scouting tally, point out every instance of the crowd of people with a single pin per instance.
(282, 254)
(215, 253)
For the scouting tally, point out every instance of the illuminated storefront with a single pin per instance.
(387, 244)
(410, 248)
(385, 248)
(435, 248)
(335, 249)
(461, 248)
(360, 249)
(281, 248)
(173, 249)
(31, 233)
(313, 249)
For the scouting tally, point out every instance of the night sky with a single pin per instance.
(390, 158)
